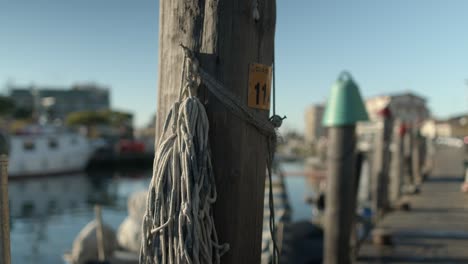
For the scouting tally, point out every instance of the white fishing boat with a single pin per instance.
(42, 150)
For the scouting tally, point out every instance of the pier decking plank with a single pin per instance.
(435, 230)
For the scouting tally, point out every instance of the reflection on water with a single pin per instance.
(48, 212)
(298, 189)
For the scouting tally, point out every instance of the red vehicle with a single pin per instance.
(130, 146)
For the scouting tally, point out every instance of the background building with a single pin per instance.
(456, 126)
(407, 107)
(58, 103)
(22, 97)
(411, 109)
(313, 123)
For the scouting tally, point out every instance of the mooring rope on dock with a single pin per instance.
(178, 226)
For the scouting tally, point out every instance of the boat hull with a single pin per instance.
(35, 155)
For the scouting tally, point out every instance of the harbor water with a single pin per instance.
(48, 212)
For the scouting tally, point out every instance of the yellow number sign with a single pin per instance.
(259, 86)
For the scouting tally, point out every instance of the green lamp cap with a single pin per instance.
(345, 105)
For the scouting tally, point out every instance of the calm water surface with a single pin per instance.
(48, 212)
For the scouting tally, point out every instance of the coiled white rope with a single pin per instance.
(178, 226)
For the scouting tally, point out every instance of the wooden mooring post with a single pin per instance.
(381, 166)
(344, 109)
(396, 168)
(408, 175)
(4, 211)
(416, 156)
(100, 234)
(226, 36)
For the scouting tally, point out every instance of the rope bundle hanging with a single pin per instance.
(178, 226)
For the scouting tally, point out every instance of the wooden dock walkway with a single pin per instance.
(435, 230)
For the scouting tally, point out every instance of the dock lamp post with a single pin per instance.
(343, 110)
(4, 202)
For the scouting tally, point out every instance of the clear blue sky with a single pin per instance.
(388, 46)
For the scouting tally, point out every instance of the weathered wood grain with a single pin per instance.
(226, 38)
(340, 199)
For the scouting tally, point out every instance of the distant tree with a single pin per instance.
(119, 121)
(86, 118)
(7, 105)
(292, 134)
(118, 118)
